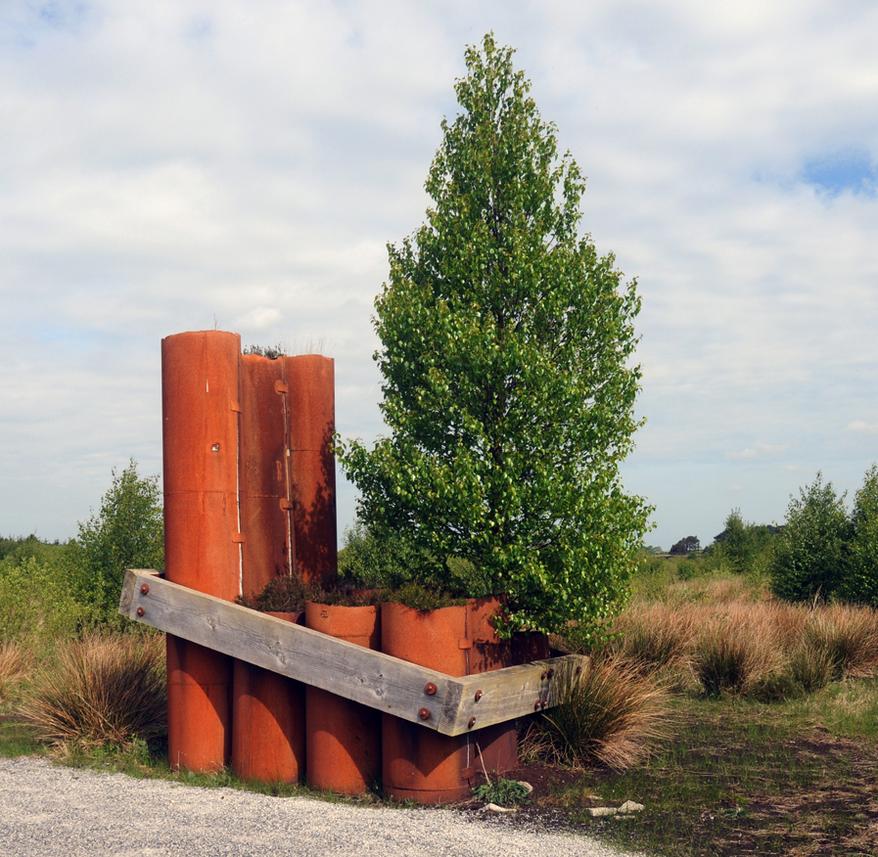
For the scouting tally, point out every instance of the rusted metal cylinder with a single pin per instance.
(268, 736)
(343, 743)
(422, 765)
(202, 537)
(311, 379)
(264, 473)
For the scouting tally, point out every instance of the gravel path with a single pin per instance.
(52, 811)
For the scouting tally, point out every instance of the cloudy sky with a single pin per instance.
(169, 166)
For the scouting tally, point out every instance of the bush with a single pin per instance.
(36, 603)
(100, 690)
(809, 558)
(127, 532)
(610, 713)
(860, 583)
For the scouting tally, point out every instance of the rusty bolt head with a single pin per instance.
(472, 722)
(430, 689)
(144, 588)
(478, 695)
(424, 713)
(140, 611)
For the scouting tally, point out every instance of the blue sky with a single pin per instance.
(172, 166)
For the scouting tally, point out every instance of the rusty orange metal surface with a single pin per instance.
(200, 404)
(311, 379)
(199, 709)
(421, 765)
(342, 738)
(268, 717)
(264, 473)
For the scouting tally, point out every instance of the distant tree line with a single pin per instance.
(821, 552)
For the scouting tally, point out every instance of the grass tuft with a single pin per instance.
(849, 638)
(611, 714)
(102, 689)
(736, 651)
(14, 666)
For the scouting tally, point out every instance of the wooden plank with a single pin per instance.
(372, 678)
(492, 697)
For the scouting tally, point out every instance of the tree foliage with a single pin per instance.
(861, 572)
(127, 532)
(506, 356)
(809, 557)
(689, 544)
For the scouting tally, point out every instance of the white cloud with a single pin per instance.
(176, 166)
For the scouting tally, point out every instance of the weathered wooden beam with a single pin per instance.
(363, 675)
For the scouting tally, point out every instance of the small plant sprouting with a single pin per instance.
(502, 792)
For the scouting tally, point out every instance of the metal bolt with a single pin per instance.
(478, 695)
(472, 722)
(140, 611)
(214, 447)
(424, 713)
(144, 588)
(430, 689)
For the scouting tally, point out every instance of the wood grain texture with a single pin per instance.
(382, 682)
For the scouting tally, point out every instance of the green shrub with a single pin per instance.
(860, 584)
(809, 558)
(502, 792)
(127, 532)
(37, 606)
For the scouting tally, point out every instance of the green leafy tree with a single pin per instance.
(861, 572)
(809, 558)
(127, 532)
(509, 388)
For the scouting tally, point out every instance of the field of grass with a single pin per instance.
(742, 725)
(796, 774)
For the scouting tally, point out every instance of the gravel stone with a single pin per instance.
(52, 811)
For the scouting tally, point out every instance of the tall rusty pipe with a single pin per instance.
(268, 722)
(311, 379)
(265, 484)
(200, 395)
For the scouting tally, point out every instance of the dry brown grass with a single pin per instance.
(611, 714)
(98, 690)
(753, 647)
(848, 636)
(14, 666)
(655, 636)
(737, 650)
